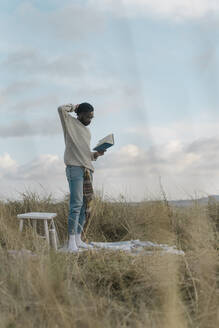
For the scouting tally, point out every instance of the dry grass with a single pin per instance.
(112, 289)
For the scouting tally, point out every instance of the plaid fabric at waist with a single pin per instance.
(88, 194)
(87, 185)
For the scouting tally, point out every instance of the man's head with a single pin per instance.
(85, 113)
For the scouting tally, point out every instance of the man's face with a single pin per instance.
(85, 118)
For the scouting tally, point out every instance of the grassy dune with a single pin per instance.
(112, 289)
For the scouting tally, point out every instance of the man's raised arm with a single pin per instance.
(63, 111)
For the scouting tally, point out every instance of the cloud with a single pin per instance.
(46, 171)
(7, 165)
(40, 127)
(70, 22)
(37, 103)
(66, 78)
(184, 169)
(78, 69)
(177, 10)
(28, 100)
(77, 21)
(158, 160)
(31, 62)
(180, 148)
(6, 162)
(194, 128)
(45, 168)
(205, 149)
(39, 80)
(39, 169)
(17, 87)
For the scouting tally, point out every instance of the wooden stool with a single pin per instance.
(41, 216)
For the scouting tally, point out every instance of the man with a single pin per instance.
(79, 169)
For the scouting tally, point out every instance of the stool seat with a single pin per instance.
(37, 215)
(45, 216)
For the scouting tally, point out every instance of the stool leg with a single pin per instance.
(53, 226)
(21, 224)
(52, 235)
(46, 231)
(35, 225)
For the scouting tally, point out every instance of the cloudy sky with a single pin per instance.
(150, 69)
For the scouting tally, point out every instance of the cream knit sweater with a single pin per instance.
(77, 139)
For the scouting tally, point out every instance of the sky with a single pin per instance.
(149, 68)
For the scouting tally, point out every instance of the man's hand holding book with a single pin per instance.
(99, 153)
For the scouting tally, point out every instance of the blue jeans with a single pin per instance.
(76, 218)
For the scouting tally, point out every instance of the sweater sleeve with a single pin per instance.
(92, 156)
(64, 114)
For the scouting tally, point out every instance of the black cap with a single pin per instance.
(84, 108)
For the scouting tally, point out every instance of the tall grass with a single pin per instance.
(108, 288)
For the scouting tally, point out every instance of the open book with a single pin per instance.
(105, 143)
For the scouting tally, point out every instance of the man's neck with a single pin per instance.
(81, 122)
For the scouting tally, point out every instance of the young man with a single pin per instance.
(79, 169)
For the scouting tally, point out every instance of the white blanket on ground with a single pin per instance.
(134, 247)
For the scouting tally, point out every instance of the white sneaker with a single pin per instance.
(80, 243)
(72, 246)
